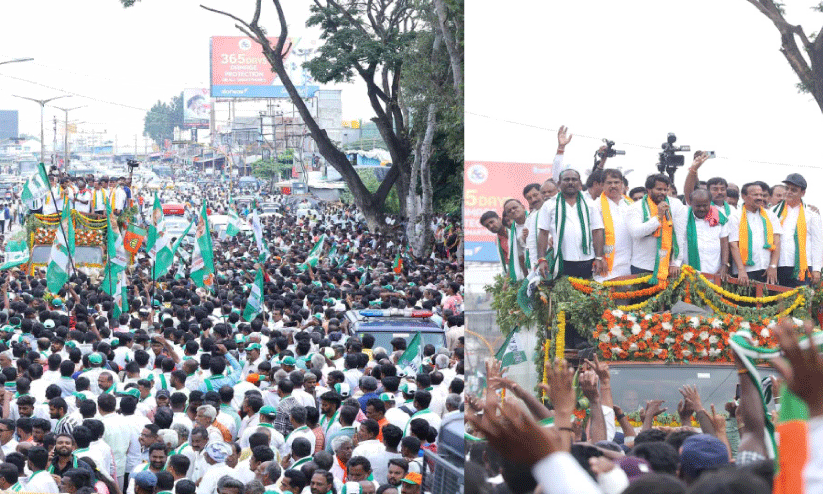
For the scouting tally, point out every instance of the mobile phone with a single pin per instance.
(710, 154)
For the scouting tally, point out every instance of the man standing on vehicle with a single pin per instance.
(82, 201)
(99, 196)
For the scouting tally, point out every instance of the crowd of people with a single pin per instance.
(181, 394)
(602, 229)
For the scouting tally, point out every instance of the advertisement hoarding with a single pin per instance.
(240, 70)
(196, 108)
(486, 186)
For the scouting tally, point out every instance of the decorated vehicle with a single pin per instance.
(656, 338)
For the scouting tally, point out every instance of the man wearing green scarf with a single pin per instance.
(648, 253)
(516, 213)
(575, 227)
(717, 186)
(707, 236)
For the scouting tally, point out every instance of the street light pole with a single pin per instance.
(66, 136)
(42, 103)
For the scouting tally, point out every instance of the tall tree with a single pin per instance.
(809, 72)
(162, 118)
(363, 38)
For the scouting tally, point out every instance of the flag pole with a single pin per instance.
(62, 230)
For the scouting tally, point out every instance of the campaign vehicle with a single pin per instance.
(387, 324)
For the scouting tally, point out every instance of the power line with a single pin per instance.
(97, 100)
(641, 146)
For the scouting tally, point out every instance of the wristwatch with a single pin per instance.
(598, 258)
(773, 266)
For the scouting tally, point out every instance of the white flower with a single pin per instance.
(687, 353)
(631, 318)
(687, 336)
(604, 337)
(694, 321)
(704, 335)
(618, 313)
(797, 322)
(658, 351)
(616, 331)
(667, 326)
(621, 338)
(636, 329)
(648, 335)
(669, 340)
(647, 317)
(745, 325)
(772, 324)
(616, 350)
(633, 347)
(764, 332)
(704, 353)
(717, 323)
(713, 339)
(714, 352)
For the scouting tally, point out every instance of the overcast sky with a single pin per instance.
(633, 71)
(125, 59)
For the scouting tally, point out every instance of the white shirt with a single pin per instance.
(622, 239)
(561, 474)
(814, 238)
(708, 243)
(83, 196)
(303, 431)
(41, 481)
(118, 434)
(208, 485)
(760, 256)
(572, 240)
(531, 239)
(370, 449)
(644, 243)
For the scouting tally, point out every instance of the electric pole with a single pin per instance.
(66, 137)
(42, 103)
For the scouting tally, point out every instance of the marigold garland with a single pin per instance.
(740, 298)
(633, 281)
(560, 347)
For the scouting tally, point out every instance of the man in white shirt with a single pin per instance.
(515, 214)
(794, 270)
(706, 235)
(118, 434)
(40, 480)
(82, 200)
(535, 200)
(578, 246)
(368, 445)
(617, 250)
(760, 261)
(216, 454)
(651, 220)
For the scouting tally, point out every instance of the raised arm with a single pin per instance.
(700, 157)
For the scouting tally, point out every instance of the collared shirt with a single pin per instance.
(622, 238)
(215, 382)
(572, 240)
(644, 243)
(814, 238)
(760, 256)
(708, 243)
(281, 422)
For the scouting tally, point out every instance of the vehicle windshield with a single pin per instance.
(384, 339)
(87, 254)
(632, 385)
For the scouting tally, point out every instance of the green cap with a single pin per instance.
(132, 392)
(268, 411)
(386, 397)
(254, 346)
(288, 361)
(95, 358)
(239, 338)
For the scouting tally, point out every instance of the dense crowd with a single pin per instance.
(181, 394)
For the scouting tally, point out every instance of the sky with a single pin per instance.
(633, 71)
(120, 62)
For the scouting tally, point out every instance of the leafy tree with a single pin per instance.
(809, 72)
(162, 118)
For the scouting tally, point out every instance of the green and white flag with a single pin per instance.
(181, 270)
(258, 237)
(512, 352)
(120, 303)
(314, 256)
(59, 266)
(412, 359)
(332, 255)
(17, 253)
(118, 259)
(36, 188)
(165, 256)
(202, 259)
(254, 304)
(157, 243)
(233, 226)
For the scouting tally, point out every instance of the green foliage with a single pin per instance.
(160, 121)
(128, 3)
(265, 169)
(392, 204)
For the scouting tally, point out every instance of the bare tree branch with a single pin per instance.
(451, 46)
(239, 20)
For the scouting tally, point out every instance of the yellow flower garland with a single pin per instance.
(740, 298)
(633, 281)
(633, 307)
(545, 361)
(560, 347)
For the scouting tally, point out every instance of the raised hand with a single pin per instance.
(692, 398)
(803, 371)
(562, 138)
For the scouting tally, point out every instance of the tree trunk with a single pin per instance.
(451, 46)
(419, 208)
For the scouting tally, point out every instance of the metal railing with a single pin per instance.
(441, 476)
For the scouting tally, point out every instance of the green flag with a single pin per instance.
(411, 359)
(364, 277)
(512, 350)
(202, 259)
(257, 228)
(314, 256)
(254, 305)
(59, 266)
(165, 256)
(36, 188)
(233, 226)
(17, 253)
(120, 303)
(118, 260)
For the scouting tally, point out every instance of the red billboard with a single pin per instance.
(486, 186)
(239, 68)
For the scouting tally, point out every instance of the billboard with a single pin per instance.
(486, 186)
(196, 108)
(240, 70)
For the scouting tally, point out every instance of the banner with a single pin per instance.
(240, 70)
(196, 108)
(486, 186)
(134, 238)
